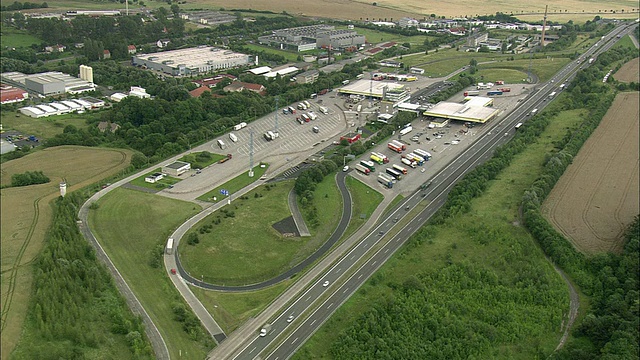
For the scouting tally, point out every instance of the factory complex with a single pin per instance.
(49, 83)
(192, 61)
(311, 37)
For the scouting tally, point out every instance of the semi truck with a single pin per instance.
(385, 181)
(233, 137)
(400, 169)
(270, 135)
(533, 112)
(169, 249)
(395, 147)
(409, 162)
(398, 143)
(425, 154)
(361, 168)
(380, 156)
(377, 159)
(413, 157)
(239, 126)
(472, 93)
(395, 173)
(406, 130)
(369, 165)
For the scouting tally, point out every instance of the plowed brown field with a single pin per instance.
(598, 197)
(629, 72)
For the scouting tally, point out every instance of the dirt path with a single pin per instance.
(574, 305)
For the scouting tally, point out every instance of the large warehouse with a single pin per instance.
(191, 61)
(310, 37)
(393, 92)
(49, 83)
(477, 110)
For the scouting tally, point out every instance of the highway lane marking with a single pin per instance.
(409, 229)
(252, 350)
(294, 341)
(339, 270)
(374, 262)
(330, 305)
(308, 298)
(345, 290)
(360, 276)
(352, 257)
(386, 251)
(314, 321)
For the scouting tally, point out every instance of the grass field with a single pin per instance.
(11, 37)
(43, 128)
(26, 215)
(496, 210)
(227, 256)
(365, 201)
(544, 69)
(234, 184)
(375, 37)
(129, 226)
(290, 56)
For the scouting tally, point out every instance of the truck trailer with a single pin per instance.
(495, 92)
(400, 169)
(425, 154)
(385, 181)
(472, 93)
(384, 157)
(169, 249)
(270, 135)
(395, 147)
(377, 159)
(361, 168)
(369, 165)
(401, 145)
(409, 162)
(406, 130)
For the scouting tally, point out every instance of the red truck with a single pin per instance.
(323, 91)
(229, 156)
(499, 82)
(395, 148)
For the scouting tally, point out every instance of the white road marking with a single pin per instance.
(252, 350)
(330, 305)
(294, 341)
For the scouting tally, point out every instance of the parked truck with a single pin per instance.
(369, 165)
(413, 157)
(361, 168)
(266, 329)
(385, 181)
(233, 137)
(409, 162)
(379, 158)
(401, 145)
(324, 109)
(472, 93)
(400, 169)
(395, 147)
(395, 173)
(425, 154)
(407, 129)
(270, 135)
(222, 145)
(239, 126)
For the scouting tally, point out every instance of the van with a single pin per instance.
(316, 129)
(221, 144)
(233, 137)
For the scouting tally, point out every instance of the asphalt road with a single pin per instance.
(338, 289)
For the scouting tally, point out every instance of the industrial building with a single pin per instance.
(192, 61)
(176, 168)
(49, 83)
(392, 92)
(478, 109)
(61, 107)
(9, 94)
(310, 37)
(308, 77)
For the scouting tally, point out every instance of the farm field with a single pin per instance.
(395, 9)
(598, 196)
(629, 72)
(26, 215)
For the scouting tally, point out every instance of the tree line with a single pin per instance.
(29, 178)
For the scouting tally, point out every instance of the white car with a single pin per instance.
(325, 284)
(345, 168)
(290, 318)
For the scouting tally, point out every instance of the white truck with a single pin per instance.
(239, 126)
(169, 249)
(222, 145)
(270, 135)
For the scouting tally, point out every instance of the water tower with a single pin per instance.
(63, 188)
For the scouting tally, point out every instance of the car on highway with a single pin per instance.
(290, 318)
(325, 284)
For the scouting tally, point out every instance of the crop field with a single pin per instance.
(629, 72)
(11, 37)
(395, 9)
(598, 196)
(26, 215)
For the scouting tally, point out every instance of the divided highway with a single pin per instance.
(344, 278)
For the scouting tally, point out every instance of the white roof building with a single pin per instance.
(47, 109)
(117, 97)
(71, 105)
(139, 92)
(32, 112)
(260, 70)
(83, 103)
(282, 72)
(62, 109)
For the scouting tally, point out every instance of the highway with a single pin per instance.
(316, 304)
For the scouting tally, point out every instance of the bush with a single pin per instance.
(29, 178)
